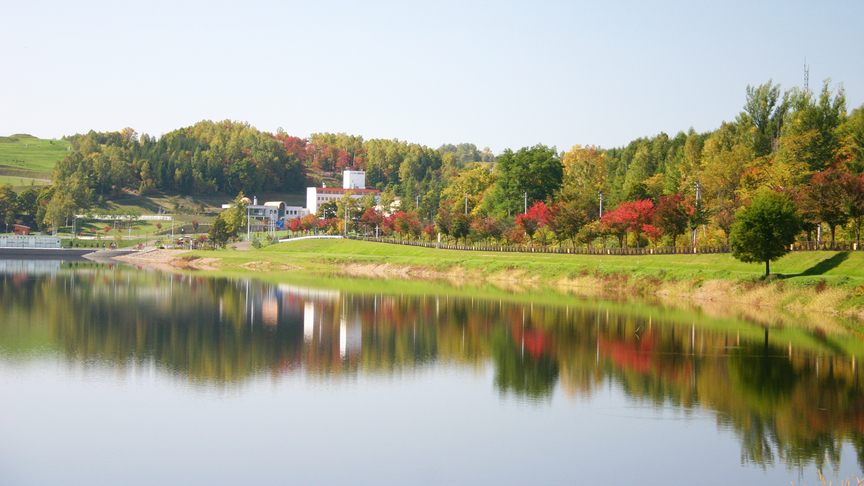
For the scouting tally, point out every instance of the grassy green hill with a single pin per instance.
(23, 157)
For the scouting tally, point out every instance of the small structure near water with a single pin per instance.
(29, 241)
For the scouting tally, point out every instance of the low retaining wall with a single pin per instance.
(17, 241)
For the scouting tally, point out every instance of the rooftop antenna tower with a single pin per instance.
(806, 76)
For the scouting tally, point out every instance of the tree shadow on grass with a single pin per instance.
(824, 266)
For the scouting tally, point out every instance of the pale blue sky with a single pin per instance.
(493, 73)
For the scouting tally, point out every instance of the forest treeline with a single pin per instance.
(655, 189)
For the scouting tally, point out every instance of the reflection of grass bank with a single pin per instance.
(811, 281)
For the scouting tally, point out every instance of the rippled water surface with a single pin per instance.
(117, 375)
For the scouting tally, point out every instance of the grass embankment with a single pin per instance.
(806, 281)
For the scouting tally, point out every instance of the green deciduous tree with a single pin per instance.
(27, 201)
(8, 201)
(766, 115)
(536, 170)
(763, 230)
(461, 227)
(219, 231)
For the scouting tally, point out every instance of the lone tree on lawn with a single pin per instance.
(763, 231)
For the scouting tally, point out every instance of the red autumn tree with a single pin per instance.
(294, 145)
(532, 220)
(824, 196)
(566, 219)
(429, 231)
(371, 219)
(406, 224)
(653, 233)
(671, 216)
(516, 235)
(295, 225)
(631, 216)
(309, 222)
(486, 228)
(387, 227)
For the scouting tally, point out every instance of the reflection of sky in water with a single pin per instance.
(121, 376)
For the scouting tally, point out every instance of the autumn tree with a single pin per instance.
(461, 227)
(566, 219)
(852, 190)
(630, 216)
(671, 215)
(724, 216)
(309, 222)
(371, 219)
(444, 221)
(486, 228)
(585, 169)
(406, 224)
(825, 198)
(532, 220)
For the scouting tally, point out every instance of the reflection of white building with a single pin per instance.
(350, 337)
(40, 267)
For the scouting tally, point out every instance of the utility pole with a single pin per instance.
(699, 208)
(601, 204)
(526, 203)
(466, 204)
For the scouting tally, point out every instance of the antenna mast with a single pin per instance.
(806, 76)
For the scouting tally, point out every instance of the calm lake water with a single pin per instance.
(116, 375)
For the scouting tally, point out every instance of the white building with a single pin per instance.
(354, 179)
(316, 196)
(272, 210)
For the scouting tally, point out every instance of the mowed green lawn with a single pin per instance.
(20, 183)
(31, 157)
(844, 268)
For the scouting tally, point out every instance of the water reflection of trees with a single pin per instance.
(792, 396)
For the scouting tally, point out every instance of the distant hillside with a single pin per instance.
(28, 157)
